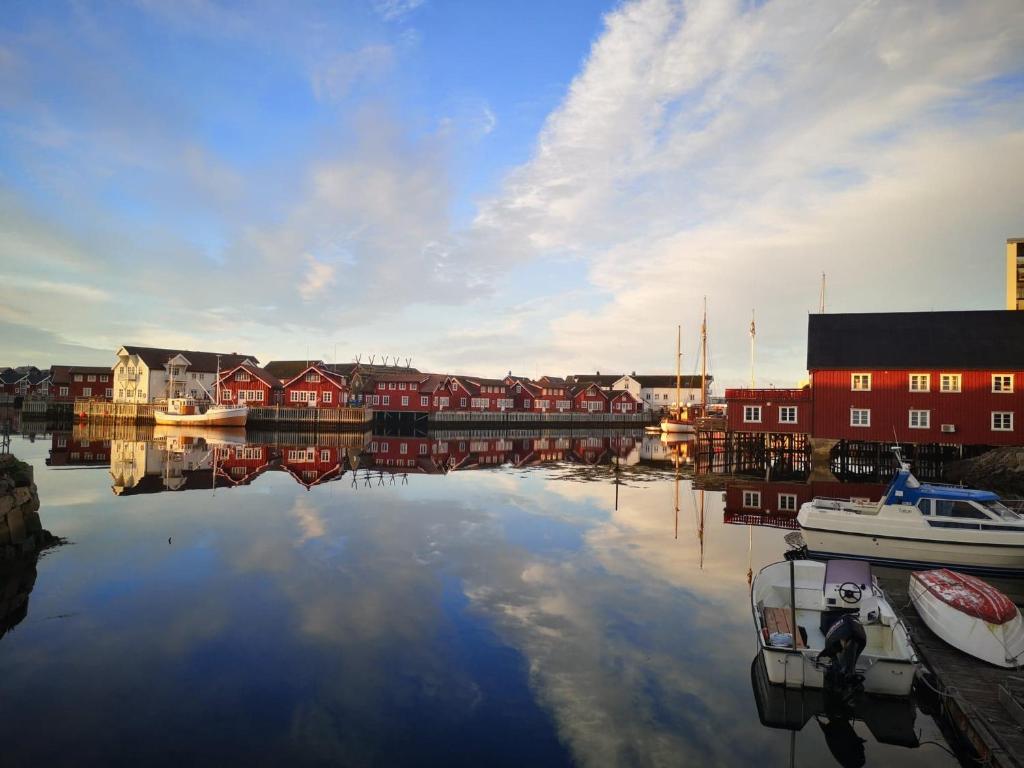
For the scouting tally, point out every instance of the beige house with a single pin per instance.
(145, 374)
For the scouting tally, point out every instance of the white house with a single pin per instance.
(144, 374)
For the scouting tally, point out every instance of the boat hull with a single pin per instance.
(220, 417)
(911, 552)
(799, 669)
(676, 426)
(998, 644)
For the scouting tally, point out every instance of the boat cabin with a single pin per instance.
(947, 506)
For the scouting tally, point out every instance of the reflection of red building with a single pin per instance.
(241, 464)
(313, 465)
(68, 451)
(776, 504)
(250, 385)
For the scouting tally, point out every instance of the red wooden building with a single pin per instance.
(769, 410)
(315, 387)
(590, 398)
(919, 377)
(552, 394)
(251, 385)
(405, 391)
(478, 394)
(73, 382)
(623, 401)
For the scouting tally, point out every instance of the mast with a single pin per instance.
(216, 385)
(679, 357)
(704, 358)
(753, 333)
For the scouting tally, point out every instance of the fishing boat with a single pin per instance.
(186, 411)
(683, 419)
(918, 524)
(796, 603)
(970, 614)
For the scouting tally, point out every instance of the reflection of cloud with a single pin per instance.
(309, 519)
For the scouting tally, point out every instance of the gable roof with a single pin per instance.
(981, 339)
(601, 379)
(156, 357)
(582, 388)
(667, 380)
(286, 369)
(334, 378)
(254, 370)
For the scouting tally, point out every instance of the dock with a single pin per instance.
(975, 696)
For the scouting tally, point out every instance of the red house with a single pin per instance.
(251, 385)
(477, 394)
(316, 387)
(769, 410)
(623, 401)
(590, 398)
(919, 377)
(407, 391)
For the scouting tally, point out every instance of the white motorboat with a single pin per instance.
(812, 596)
(185, 411)
(970, 614)
(918, 524)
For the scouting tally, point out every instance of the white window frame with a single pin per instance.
(751, 499)
(858, 381)
(1001, 389)
(326, 396)
(424, 401)
(855, 423)
(405, 401)
(950, 382)
(783, 410)
(999, 415)
(749, 414)
(787, 502)
(385, 400)
(925, 423)
(919, 378)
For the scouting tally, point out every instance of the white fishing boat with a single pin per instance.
(970, 614)
(801, 601)
(918, 524)
(187, 411)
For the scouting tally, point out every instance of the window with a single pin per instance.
(384, 447)
(1002, 382)
(240, 376)
(860, 417)
(401, 385)
(787, 414)
(225, 395)
(90, 377)
(120, 393)
(920, 382)
(462, 402)
(385, 400)
(1002, 421)
(787, 502)
(424, 401)
(391, 385)
(327, 397)
(752, 414)
(109, 393)
(86, 391)
(104, 378)
(403, 448)
(949, 382)
(413, 387)
(64, 391)
(860, 382)
(405, 400)
(423, 449)
(312, 377)
(920, 419)
(949, 508)
(526, 404)
(752, 499)
(78, 377)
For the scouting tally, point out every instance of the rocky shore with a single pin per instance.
(21, 530)
(1000, 470)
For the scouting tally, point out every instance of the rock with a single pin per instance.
(1000, 470)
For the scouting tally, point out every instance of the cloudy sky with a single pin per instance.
(542, 187)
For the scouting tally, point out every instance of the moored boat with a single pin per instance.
(185, 411)
(970, 614)
(918, 524)
(795, 604)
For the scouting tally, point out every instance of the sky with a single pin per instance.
(484, 187)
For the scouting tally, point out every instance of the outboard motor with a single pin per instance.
(844, 644)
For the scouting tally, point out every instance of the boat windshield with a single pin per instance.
(1000, 509)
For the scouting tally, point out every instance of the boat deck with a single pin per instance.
(971, 688)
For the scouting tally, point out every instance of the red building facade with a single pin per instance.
(315, 387)
(249, 385)
(769, 410)
(79, 382)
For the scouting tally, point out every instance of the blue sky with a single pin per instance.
(493, 186)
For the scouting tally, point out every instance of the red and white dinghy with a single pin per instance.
(970, 614)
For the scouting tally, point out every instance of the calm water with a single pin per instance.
(540, 603)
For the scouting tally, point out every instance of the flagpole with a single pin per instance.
(753, 333)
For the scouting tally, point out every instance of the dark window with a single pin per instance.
(948, 508)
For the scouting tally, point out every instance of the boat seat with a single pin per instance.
(781, 620)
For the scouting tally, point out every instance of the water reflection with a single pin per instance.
(574, 601)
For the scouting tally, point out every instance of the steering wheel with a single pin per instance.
(850, 592)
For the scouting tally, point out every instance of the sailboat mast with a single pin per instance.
(704, 357)
(753, 333)
(216, 385)
(679, 357)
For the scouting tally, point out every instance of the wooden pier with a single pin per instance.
(102, 411)
(974, 696)
(538, 419)
(311, 419)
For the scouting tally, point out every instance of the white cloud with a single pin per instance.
(395, 10)
(334, 78)
(319, 277)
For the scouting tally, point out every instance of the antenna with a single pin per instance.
(372, 358)
(359, 358)
(408, 362)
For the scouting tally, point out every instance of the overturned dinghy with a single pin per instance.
(970, 614)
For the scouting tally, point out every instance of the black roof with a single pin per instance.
(981, 339)
(156, 357)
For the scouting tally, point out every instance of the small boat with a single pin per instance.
(918, 524)
(970, 614)
(184, 411)
(800, 601)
